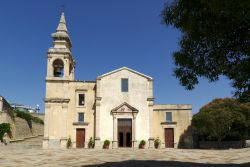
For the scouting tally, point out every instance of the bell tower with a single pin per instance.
(60, 71)
(60, 64)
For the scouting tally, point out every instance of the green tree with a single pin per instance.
(4, 128)
(222, 119)
(215, 41)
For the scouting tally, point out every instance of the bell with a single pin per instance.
(58, 72)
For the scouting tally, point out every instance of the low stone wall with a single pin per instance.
(20, 128)
(3, 104)
(247, 143)
(5, 118)
(221, 145)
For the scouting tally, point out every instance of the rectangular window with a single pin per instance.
(81, 100)
(124, 84)
(81, 117)
(168, 116)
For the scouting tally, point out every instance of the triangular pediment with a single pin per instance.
(128, 69)
(124, 108)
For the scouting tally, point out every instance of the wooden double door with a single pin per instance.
(80, 138)
(124, 131)
(169, 137)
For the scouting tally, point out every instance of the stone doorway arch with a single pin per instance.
(122, 112)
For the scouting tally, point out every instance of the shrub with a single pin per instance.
(4, 128)
(91, 143)
(69, 143)
(157, 142)
(37, 120)
(142, 144)
(106, 144)
(221, 120)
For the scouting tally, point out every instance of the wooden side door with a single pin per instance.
(169, 137)
(80, 138)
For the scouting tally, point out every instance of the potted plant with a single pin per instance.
(69, 143)
(142, 144)
(91, 143)
(157, 142)
(106, 144)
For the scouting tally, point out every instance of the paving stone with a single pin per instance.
(30, 153)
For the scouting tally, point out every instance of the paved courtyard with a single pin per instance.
(30, 153)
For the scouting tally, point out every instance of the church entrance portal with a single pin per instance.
(124, 132)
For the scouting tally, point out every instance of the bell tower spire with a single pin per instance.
(62, 32)
(60, 60)
(62, 24)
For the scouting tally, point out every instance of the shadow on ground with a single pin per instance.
(135, 163)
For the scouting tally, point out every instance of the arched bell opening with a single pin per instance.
(58, 68)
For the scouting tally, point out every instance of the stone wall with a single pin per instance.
(20, 128)
(247, 143)
(5, 118)
(3, 104)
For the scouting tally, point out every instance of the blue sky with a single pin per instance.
(106, 35)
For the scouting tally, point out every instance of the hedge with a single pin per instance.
(4, 128)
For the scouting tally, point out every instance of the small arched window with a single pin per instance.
(58, 68)
(70, 69)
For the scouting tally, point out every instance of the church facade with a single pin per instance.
(118, 106)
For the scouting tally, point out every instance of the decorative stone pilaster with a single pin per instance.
(134, 131)
(135, 145)
(97, 125)
(97, 143)
(150, 106)
(114, 142)
(63, 142)
(46, 126)
(151, 143)
(63, 122)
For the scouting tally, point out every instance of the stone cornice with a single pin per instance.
(56, 79)
(98, 98)
(150, 99)
(56, 100)
(168, 123)
(81, 90)
(59, 51)
(165, 107)
(81, 123)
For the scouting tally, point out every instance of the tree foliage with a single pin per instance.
(4, 128)
(222, 119)
(215, 42)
